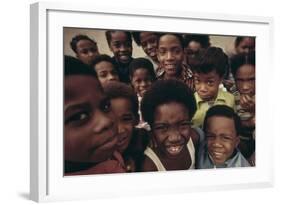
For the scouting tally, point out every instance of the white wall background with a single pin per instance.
(14, 102)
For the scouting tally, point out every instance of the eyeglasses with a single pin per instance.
(163, 128)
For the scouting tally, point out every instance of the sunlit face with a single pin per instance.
(86, 51)
(246, 45)
(141, 81)
(89, 129)
(148, 41)
(207, 85)
(121, 47)
(170, 54)
(245, 79)
(171, 129)
(125, 120)
(106, 72)
(221, 137)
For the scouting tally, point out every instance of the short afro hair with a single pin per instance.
(178, 36)
(204, 40)
(136, 36)
(223, 111)
(166, 91)
(212, 59)
(73, 66)
(242, 59)
(76, 39)
(144, 63)
(115, 90)
(101, 58)
(109, 32)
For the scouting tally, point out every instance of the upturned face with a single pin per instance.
(86, 51)
(171, 129)
(89, 129)
(106, 72)
(141, 81)
(125, 120)
(245, 79)
(246, 46)
(170, 54)
(221, 137)
(148, 41)
(207, 85)
(121, 47)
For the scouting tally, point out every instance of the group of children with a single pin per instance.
(186, 105)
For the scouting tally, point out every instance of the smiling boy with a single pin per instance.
(222, 128)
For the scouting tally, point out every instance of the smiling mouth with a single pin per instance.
(175, 149)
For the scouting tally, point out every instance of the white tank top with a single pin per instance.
(151, 154)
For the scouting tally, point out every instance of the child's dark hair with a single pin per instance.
(241, 59)
(204, 40)
(73, 66)
(143, 63)
(136, 36)
(108, 35)
(76, 39)
(213, 58)
(121, 90)
(239, 39)
(179, 37)
(166, 91)
(223, 111)
(101, 58)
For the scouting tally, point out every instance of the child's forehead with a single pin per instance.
(75, 84)
(209, 74)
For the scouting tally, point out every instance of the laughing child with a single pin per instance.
(168, 107)
(222, 128)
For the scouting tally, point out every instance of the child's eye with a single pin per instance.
(161, 128)
(128, 118)
(105, 106)
(77, 118)
(226, 138)
(210, 136)
(196, 81)
(210, 83)
(162, 52)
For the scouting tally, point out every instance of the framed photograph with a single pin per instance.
(53, 27)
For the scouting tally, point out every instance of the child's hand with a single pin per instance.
(190, 84)
(228, 84)
(247, 102)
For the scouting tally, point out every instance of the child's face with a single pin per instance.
(246, 45)
(86, 51)
(121, 47)
(245, 79)
(141, 81)
(170, 54)
(171, 129)
(148, 42)
(89, 129)
(106, 72)
(207, 85)
(221, 138)
(125, 119)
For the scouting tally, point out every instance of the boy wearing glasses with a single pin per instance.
(168, 107)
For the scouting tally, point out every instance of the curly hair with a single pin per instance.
(166, 91)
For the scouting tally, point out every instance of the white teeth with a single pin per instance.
(174, 149)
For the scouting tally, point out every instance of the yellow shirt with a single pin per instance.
(223, 98)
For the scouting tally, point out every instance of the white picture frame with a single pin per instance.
(47, 182)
